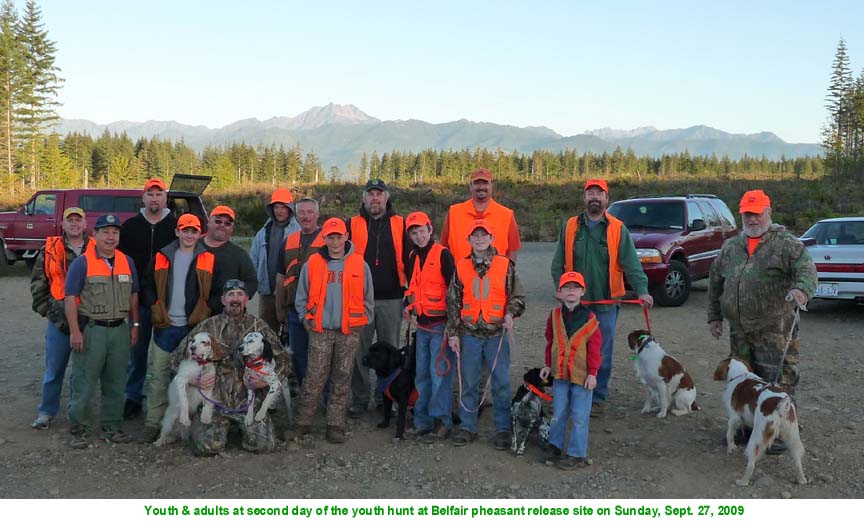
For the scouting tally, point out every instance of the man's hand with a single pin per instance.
(254, 380)
(590, 382)
(647, 301)
(76, 341)
(716, 328)
(508, 322)
(206, 382)
(454, 344)
(134, 332)
(406, 314)
(800, 297)
(544, 373)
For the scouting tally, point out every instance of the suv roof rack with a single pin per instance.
(666, 196)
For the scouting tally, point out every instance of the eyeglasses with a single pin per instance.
(223, 222)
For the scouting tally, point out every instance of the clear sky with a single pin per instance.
(741, 67)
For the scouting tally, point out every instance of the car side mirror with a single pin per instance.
(808, 241)
(26, 210)
(697, 224)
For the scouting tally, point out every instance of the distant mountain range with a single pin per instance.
(339, 134)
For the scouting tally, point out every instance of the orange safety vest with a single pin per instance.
(95, 300)
(570, 357)
(486, 296)
(427, 291)
(204, 263)
(293, 262)
(462, 217)
(360, 238)
(55, 264)
(353, 290)
(613, 239)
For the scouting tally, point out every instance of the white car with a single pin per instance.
(837, 248)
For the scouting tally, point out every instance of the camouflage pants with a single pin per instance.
(763, 350)
(331, 355)
(209, 440)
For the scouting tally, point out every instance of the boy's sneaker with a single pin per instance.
(462, 438)
(439, 432)
(80, 438)
(570, 463)
(552, 456)
(41, 422)
(501, 441)
(115, 435)
(414, 433)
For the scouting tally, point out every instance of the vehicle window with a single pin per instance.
(837, 233)
(178, 206)
(654, 215)
(725, 213)
(693, 213)
(712, 219)
(44, 204)
(109, 203)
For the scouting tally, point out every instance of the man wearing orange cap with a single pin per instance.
(178, 293)
(461, 217)
(268, 247)
(599, 246)
(140, 238)
(335, 298)
(482, 301)
(232, 261)
(755, 284)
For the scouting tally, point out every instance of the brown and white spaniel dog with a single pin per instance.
(764, 407)
(666, 381)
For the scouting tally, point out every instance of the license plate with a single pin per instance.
(826, 290)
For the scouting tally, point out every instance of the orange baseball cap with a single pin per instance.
(754, 201)
(481, 173)
(481, 223)
(571, 276)
(282, 195)
(334, 225)
(155, 183)
(416, 219)
(187, 220)
(223, 210)
(599, 183)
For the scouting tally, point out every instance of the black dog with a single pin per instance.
(395, 380)
(526, 408)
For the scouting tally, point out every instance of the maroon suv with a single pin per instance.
(677, 238)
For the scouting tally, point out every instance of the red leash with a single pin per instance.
(441, 359)
(619, 301)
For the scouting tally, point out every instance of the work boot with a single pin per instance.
(553, 455)
(335, 434)
(413, 433)
(571, 463)
(114, 435)
(462, 438)
(501, 441)
(356, 411)
(80, 438)
(439, 432)
(597, 409)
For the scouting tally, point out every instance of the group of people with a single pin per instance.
(337, 286)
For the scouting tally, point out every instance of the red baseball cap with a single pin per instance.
(155, 183)
(187, 220)
(334, 225)
(223, 210)
(571, 276)
(416, 219)
(481, 173)
(481, 223)
(754, 201)
(599, 183)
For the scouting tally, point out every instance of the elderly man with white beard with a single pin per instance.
(749, 285)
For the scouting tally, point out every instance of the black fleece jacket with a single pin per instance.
(141, 240)
(380, 254)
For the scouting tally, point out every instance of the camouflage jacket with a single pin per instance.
(482, 329)
(750, 291)
(228, 333)
(40, 288)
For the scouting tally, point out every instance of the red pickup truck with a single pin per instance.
(23, 232)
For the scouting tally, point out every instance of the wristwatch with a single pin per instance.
(136, 324)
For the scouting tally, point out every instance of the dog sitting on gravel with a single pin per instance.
(764, 407)
(526, 409)
(666, 381)
(184, 394)
(258, 357)
(395, 372)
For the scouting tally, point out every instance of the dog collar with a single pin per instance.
(202, 361)
(257, 365)
(538, 392)
(642, 345)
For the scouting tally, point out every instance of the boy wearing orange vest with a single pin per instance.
(482, 301)
(573, 344)
(430, 269)
(334, 296)
(47, 289)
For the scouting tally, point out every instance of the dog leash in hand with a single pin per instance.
(219, 405)
(620, 301)
(441, 359)
(795, 320)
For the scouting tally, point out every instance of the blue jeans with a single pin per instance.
(168, 338)
(474, 351)
(607, 321)
(57, 351)
(137, 368)
(433, 402)
(570, 402)
(299, 339)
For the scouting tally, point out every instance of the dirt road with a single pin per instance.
(633, 456)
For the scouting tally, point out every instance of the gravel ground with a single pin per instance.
(634, 456)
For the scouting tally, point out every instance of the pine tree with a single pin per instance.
(836, 132)
(11, 63)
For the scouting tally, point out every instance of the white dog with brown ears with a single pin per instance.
(184, 393)
(258, 357)
(667, 383)
(764, 407)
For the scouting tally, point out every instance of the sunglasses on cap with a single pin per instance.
(233, 284)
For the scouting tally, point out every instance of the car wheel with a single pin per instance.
(675, 288)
